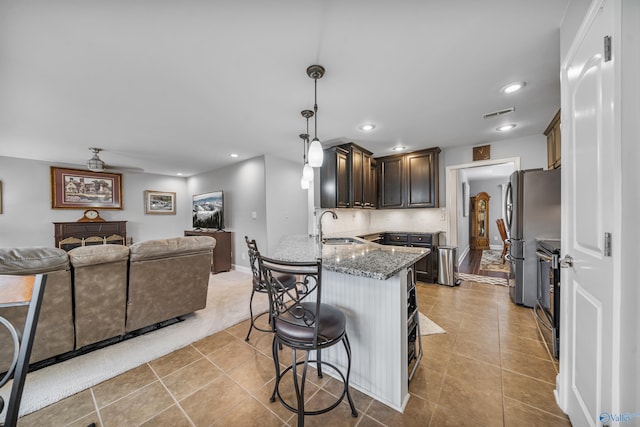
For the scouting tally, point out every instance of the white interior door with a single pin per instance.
(588, 174)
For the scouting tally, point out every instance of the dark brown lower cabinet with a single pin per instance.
(426, 269)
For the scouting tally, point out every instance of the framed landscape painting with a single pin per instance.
(159, 202)
(79, 189)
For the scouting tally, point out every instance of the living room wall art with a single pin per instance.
(79, 189)
(159, 202)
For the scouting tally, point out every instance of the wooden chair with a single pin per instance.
(503, 235)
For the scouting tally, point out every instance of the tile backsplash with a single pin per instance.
(363, 220)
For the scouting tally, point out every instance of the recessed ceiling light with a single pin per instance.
(399, 148)
(179, 174)
(368, 127)
(234, 155)
(505, 128)
(513, 87)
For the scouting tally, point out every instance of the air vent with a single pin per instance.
(499, 113)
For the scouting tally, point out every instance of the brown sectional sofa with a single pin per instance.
(106, 292)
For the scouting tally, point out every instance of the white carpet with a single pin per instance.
(227, 304)
(429, 327)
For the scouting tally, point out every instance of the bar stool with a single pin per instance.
(18, 291)
(260, 286)
(303, 324)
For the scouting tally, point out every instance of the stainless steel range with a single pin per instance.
(547, 307)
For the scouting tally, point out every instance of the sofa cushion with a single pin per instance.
(97, 254)
(35, 260)
(154, 249)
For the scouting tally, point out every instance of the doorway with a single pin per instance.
(462, 182)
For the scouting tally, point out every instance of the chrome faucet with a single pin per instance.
(335, 216)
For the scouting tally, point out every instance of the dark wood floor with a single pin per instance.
(471, 265)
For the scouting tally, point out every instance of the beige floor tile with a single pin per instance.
(61, 413)
(125, 383)
(479, 347)
(445, 417)
(427, 383)
(518, 414)
(214, 342)
(254, 373)
(250, 413)
(470, 398)
(533, 392)
(530, 365)
(417, 413)
(360, 400)
(174, 361)
(214, 401)
(137, 407)
(232, 355)
(191, 378)
(340, 416)
(534, 347)
(170, 417)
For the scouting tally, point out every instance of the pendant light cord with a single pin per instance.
(315, 108)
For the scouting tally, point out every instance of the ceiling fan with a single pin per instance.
(96, 164)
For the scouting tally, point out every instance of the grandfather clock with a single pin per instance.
(479, 221)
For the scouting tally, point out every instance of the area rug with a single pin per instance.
(492, 261)
(483, 279)
(428, 326)
(227, 304)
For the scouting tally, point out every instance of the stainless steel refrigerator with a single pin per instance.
(532, 212)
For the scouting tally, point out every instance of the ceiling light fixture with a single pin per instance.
(233, 155)
(94, 164)
(368, 127)
(505, 128)
(316, 156)
(399, 148)
(512, 87)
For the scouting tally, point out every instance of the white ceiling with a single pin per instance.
(176, 86)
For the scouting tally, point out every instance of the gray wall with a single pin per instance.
(287, 202)
(27, 218)
(268, 187)
(532, 151)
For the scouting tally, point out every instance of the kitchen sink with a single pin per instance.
(341, 241)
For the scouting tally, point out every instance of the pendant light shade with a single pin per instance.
(307, 172)
(304, 184)
(316, 155)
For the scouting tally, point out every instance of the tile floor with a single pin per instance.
(489, 369)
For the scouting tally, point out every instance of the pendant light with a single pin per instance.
(307, 170)
(316, 155)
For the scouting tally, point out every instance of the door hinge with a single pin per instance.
(607, 48)
(607, 244)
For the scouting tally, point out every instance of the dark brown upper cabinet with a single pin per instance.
(409, 180)
(345, 178)
(335, 179)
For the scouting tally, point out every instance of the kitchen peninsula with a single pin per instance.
(369, 283)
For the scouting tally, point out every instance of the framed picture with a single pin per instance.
(79, 189)
(159, 202)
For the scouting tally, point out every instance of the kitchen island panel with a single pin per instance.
(376, 313)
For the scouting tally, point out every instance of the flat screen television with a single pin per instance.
(208, 210)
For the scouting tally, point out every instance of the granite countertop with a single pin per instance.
(365, 259)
